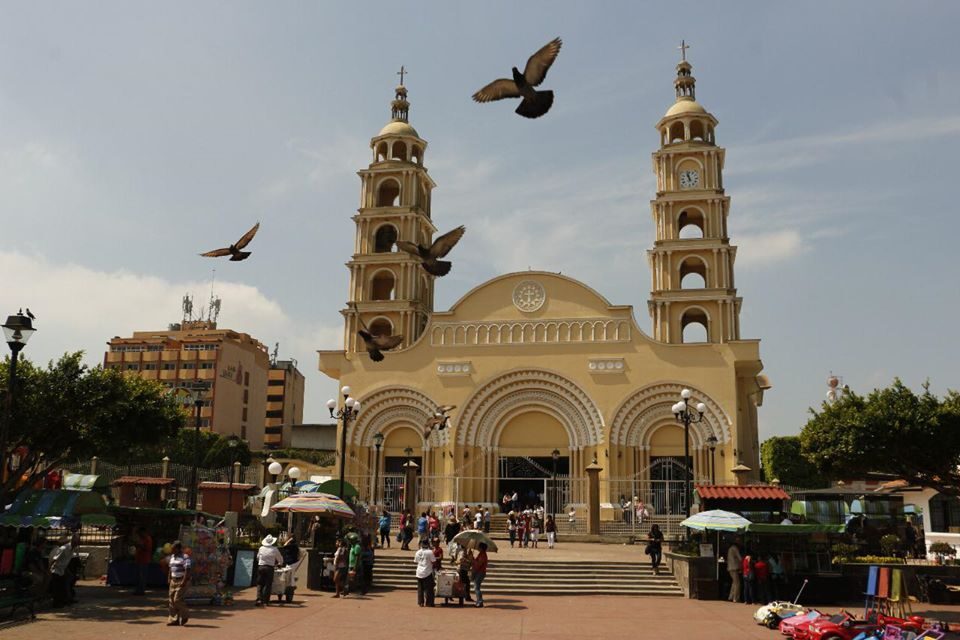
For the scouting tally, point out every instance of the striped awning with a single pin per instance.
(55, 508)
(315, 503)
(84, 482)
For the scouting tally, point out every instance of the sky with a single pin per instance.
(134, 135)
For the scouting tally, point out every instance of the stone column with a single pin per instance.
(410, 487)
(593, 501)
(164, 466)
(93, 465)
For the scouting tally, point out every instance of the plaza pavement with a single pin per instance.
(105, 613)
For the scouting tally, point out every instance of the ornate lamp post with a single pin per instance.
(687, 417)
(712, 443)
(377, 442)
(555, 455)
(16, 331)
(197, 392)
(348, 412)
(274, 469)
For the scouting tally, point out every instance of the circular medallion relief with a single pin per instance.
(528, 296)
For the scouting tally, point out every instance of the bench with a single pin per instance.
(14, 595)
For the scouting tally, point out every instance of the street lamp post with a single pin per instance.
(232, 443)
(377, 442)
(197, 392)
(17, 331)
(687, 417)
(555, 455)
(348, 412)
(712, 443)
(293, 473)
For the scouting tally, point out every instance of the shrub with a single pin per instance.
(942, 549)
(889, 544)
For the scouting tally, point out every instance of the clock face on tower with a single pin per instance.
(689, 179)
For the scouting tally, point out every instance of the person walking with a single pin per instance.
(178, 567)
(514, 501)
(748, 577)
(383, 524)
(59, 575)
(464, 564)
(521, 530)
(551, 528)
(734, 567)
(535, 528)
(433, 526)
(451, 530)
(761, 578)
(423, 523)
(479, 573)
(505, 503)
(487, 519)
(407, 532)
(512, 527)
(142, 558)
(424, 558)
(367, 560)
(341, 559)
(268, 559)
(478, 518)
(655, 547)
(354, 565)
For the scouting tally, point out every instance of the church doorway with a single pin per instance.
(668, 475)
(526, 465)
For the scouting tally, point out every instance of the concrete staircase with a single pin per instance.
(562, 577)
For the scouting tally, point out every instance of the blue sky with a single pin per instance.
(134, 135)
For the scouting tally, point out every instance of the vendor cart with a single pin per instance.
(285, 580)
(449, 584)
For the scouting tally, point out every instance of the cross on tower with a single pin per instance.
(401, 74)
(683, 50)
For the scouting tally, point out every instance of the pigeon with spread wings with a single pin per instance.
(376, 344)
(535, 103)
(234, 250)
(430, 256)
(438, 420)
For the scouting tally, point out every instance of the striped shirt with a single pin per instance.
(179, 565)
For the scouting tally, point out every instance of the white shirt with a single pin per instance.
(269, 557)
(478, 519)
(424, 559)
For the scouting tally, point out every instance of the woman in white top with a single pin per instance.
(425, 560)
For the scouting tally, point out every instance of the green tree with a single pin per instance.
(211, 450)
(783, 459)
(68, 411)
(893, 430)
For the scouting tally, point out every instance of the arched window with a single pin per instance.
(693, 273)
(422, 198)
(385, 238)
(381, 154)
(381, 286)
(690, 224)
(399, 151)
(416, 155)
(388, 193)
(710, 137)
(381, 327)
(676, 132)
(696, 130)
(695, 326)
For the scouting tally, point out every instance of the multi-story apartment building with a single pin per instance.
(285, 386)
(232, 365)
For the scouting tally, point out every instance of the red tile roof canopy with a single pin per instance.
(746, 492)
(237, 486)
(143, 480)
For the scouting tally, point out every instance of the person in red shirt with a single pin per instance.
(143, 542)
(433, 526)
(747, 564)
(761, 578)
(479, 573)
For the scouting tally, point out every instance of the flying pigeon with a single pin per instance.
(430, 256)
(234, 250)
(376, 344)
(438, 420)
(535, 103)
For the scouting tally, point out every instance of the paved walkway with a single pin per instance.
(563, 551)
(109, 614)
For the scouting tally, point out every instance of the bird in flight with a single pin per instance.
(438, 420)
(535, 103)
(234, 250)
(376, 344)
(430, 256)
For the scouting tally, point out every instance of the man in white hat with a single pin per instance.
(268, 559)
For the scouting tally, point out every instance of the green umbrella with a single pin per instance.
(353, 537)
(333, 488)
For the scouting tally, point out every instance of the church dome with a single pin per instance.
(685, 106)
(399, 128)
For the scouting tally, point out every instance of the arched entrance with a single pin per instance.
(526, 465)
(398, 441)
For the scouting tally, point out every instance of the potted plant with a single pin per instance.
(941, 550)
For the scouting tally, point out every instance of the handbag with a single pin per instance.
(647, 550)
(399, 536)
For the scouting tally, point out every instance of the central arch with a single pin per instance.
(494, 403)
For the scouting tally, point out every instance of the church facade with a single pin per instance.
(546, 374)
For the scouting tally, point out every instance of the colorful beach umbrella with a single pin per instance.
(471, 539)
(315, 503)
(716, 520)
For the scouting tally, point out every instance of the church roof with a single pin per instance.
(682, 106)
(398, 128)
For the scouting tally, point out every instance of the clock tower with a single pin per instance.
(693, 298)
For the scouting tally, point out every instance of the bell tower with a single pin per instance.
(691, 260)
(389, 290)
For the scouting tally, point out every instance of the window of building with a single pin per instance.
(275, 398)
(278, 413)
(206, 365)
(246, 379)
(154, 347)
(204, 346)
(133, 367)
(275, 383)
(169, 366)
(243, 415)
(188, 365)
(150, 366)
(246, 396)
(385, 238)
(944, 514)
(243, 432)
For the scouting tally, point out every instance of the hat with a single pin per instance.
(269, 541)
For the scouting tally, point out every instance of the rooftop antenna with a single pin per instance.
(213, 308)
(276, 353)
(187, 306)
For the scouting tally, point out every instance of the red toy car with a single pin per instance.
(788, 627)
(804, 630)
(844, 627)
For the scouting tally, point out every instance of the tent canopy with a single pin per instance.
(84, 482)
(55, 508)
(333, 488)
